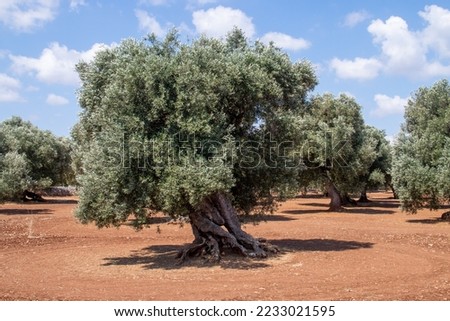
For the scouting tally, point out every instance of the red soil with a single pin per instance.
(372, 252)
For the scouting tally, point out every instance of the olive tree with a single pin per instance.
(31, 159)
(331, 141)
(187, 130)
(377, 158)
(421, 166)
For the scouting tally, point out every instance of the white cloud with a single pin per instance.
(56, 100)
(359, 68)
(402, 49)
(413, 53)
(75, 4)
(389, 105)
(436, 34)
(217, 22)
(149, 24)
(356, 17)
(423, 53)
(26, 15)
(285, 41)
(56, 64)
(9, 89)
(154, 2)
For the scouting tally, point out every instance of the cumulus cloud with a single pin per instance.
(56, 100)
(149, 24)
(358, 68)
(217, 22)
(285, 41)
(56, 64)
(26, 15)
(436, 34)
(411, 53)
(9, 89)
(421, 53)
(75, 4)
(389, 105)
(356, 17)
(402, 49)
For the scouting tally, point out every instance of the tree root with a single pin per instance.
(216, 227)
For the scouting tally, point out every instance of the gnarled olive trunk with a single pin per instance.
(216, 226)
(391, 185)
(363, 196)
(335, 197)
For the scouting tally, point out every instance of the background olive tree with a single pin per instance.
(31, 159)
(378, 161)
(330, 138)
(421, 166)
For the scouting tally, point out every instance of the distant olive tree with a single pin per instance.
(330, 136)
(421, 165)
(31, 159)
(191, 130)
(377, 158)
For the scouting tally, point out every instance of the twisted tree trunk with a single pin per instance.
(363, 196)
(335, 197)
(216, 226)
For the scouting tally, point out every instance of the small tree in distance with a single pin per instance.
(330, 135)
(190, 130)
(31, 159)
(378, 158)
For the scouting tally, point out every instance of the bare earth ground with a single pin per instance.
(372, 252)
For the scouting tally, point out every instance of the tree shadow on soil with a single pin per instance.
(314, 204)
(348, 210)
(367, 211)
(320, 245)
(249, 219)
(383, 204)
(437, 220)
(305, 211)
(370, 208)
(164, 256)
(24, 211)
(62, 201)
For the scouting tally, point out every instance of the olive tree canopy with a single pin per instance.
(331, 141)
(31, 159)
(187, 129)
(421, 166)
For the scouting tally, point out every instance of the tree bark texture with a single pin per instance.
(363, 197)
(215, 225)
(335, 197)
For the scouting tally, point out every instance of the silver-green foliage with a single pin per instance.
(421, 167)
(31, 158)
(331, 135)
(377, 156)
(166, 124)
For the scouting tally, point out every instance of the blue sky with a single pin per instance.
(378, 51)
